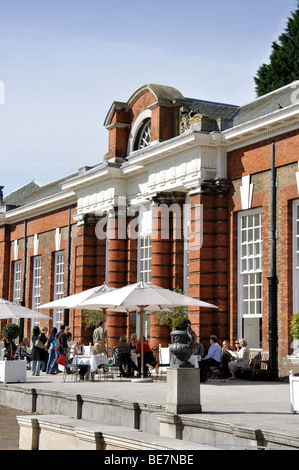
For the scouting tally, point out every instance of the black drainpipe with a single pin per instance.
(66, 317)
(23, 301)
(272, 280)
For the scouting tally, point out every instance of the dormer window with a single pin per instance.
(143, 138)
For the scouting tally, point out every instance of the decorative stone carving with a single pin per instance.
(195, 121)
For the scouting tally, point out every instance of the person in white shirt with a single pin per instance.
(240, 359)
(212, 359)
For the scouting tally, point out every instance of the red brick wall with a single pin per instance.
(256, 160)
(208, 269)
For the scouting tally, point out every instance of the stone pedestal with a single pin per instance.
(183, 391)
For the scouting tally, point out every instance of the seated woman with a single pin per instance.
(9, 348)
(147, 356)
(133, 342)
(226, 357)
(22, 350)
(124, 357)
(78, 350)
(240, 359)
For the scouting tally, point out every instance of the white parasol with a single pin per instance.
(75, 300)
(143, 296)
(14, 311)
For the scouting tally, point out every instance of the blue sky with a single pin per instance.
(64, 62)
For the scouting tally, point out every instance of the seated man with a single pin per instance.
(212, 359)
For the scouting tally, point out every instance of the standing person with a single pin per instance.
(51, 350)
(60, 348)
(212, 359)
(98, 334)
(44, 354)
(68, 333)
(36, 353)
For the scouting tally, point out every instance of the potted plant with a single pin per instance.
(10, 332)
(294, 378)
(12, 371)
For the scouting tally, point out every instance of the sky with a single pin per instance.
(64, 62)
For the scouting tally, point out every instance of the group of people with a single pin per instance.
(125, 348)
(127, 367)
(45, 358)
(231, 360)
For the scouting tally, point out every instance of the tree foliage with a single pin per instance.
(168, 316)
(92, 317)
(283, 67)
(294, 324)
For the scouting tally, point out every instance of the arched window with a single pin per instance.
(143, 138)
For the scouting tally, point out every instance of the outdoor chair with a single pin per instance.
(218, 372)
(107, 369)
(163, 362)
(260, 365)
(74, 371)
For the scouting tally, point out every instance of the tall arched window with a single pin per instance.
(143, 138)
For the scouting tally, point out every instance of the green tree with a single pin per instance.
(172, 317)
(92, 317)
(283, 67)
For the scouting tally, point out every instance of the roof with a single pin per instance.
(268, 103)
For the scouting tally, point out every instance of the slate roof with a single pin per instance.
(212, 109)
(267, 104)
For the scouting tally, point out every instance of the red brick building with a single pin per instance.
(191, 193)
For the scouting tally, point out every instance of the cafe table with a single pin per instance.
(92, 361)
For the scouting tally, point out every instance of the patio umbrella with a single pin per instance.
(12, 310)
(143, 296)
(74, 301)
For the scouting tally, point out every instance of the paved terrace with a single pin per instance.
(253, 405)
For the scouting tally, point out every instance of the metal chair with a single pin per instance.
(164, 362)
(111, 365)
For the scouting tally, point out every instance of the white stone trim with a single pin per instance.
(246, 191)
(146, 114)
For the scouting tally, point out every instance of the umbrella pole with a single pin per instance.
(103, 335)
(141, 339)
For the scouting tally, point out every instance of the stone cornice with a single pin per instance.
(36, 208)
(281, 121)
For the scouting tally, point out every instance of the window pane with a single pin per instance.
(251, 263)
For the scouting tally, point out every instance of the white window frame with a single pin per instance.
(144, 262)
(186, 230)
(144, 244)
(144, 257)
(139, 122)
(295, 249)
(36, 286)
(249, 265)
(59, 264)
(17, 279)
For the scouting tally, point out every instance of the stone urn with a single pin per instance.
(183, 345)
